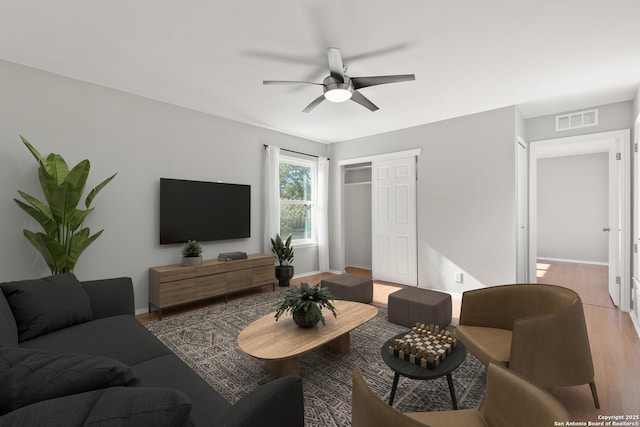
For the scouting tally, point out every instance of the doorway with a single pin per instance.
(616, 146)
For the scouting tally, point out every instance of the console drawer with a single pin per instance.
(178, 292)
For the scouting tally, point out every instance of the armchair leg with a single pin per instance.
(594, 392)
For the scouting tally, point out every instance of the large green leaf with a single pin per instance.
(53, 253)
(78, 175)
(36, 203)
(77, 218)
(93, 193)
(79, 242)
(44, 218)
(48, 183)
(56, 167)
(63, 202)
(33, 150)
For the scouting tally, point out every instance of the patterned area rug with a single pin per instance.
(206, 340)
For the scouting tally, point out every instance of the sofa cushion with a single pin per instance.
(111, 407)
(8, 327)
(170, 371)
(120, 337)
(29, 376)
(43, 305)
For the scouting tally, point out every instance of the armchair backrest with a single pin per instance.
(561, 338)
(511, 400)
(500, 306)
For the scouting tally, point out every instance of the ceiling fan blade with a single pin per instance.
(313, 104)
(363, 100)
(336, 67)
(288, 82)
(360, 82)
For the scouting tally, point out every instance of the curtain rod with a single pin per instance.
(297, 152)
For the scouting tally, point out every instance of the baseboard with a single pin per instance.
(635, 313)
(308, 273)
(363, 267)
(634, 320)
(453, 294)
(575, 261)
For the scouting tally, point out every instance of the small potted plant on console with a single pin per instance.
(305, 303)
(191, 254)
(284, 254)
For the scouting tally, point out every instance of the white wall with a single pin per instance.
(466, 197)
(573, 199)
(142, 140)
(358, 223)
(610, 117)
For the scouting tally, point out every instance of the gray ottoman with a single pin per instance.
(349, 287)
(410, 305)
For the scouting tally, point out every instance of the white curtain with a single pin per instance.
(271, 197)
(322, 214)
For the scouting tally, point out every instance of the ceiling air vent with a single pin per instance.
(581, 119)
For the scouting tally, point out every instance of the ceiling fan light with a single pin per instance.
(338, 95)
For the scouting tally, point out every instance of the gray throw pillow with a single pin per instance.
(28, 376)
(111, 407)
(45, 305)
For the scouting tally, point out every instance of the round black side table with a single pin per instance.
(417, 372)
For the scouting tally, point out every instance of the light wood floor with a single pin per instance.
(615, 346)
(614, 343)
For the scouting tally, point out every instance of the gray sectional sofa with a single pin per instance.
(73, 354)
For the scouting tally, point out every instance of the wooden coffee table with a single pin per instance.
(280, 343)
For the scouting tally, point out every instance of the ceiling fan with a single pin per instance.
(338, 87)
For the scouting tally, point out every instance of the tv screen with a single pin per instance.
(203, 211)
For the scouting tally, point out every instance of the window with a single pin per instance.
(297, 199)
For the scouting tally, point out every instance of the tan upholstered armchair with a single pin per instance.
(510, 400)
(536, 330)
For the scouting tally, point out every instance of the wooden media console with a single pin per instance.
(173, 285)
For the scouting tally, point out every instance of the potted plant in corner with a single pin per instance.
(305, 303)
(284, 254)
(191, 254)
(64, 236)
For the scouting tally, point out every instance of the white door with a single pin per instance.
(394, 222)
(636, 225)
(614, 228)
(522, 197)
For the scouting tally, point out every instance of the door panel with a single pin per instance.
(394, 224)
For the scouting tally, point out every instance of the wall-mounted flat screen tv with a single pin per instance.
(203, 211)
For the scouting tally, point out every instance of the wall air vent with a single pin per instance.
(581, 119)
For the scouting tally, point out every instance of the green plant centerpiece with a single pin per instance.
(305, 303)
(283, 251)
(64, 237)
(191, 253)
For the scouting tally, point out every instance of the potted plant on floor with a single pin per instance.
(305, 303)
(64, 236)
(191, 254)
(284, 254)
